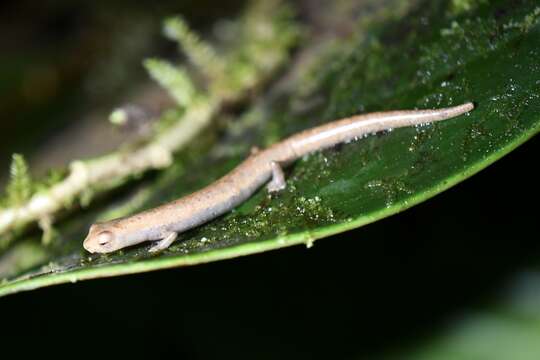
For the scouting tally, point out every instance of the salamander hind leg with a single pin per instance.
(164, 243)
(278, 178)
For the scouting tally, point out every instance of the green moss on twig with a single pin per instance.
(201, 54)
(19, 188)
(173, 78)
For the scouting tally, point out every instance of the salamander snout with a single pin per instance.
(99, 240)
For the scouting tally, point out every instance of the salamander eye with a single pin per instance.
(105, 237)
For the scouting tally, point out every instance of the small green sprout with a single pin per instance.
(200, 53)
(19, 189)
(174, 79)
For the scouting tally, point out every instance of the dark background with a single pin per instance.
(387, 286)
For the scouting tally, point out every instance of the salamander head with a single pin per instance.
(102, 239)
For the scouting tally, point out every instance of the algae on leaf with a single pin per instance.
(431, 57)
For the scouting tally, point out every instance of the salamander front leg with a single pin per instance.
(164, 243)
(278, 178)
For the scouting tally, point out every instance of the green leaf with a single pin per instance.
(432, 57)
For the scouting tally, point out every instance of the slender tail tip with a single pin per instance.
(457, 110)
(465, 108)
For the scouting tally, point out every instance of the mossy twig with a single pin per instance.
(246, 65)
